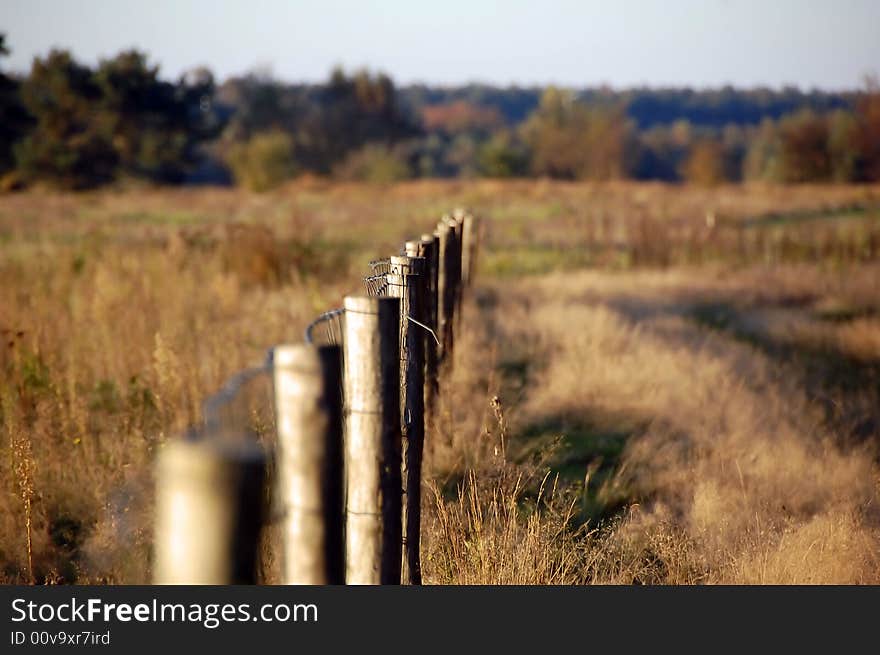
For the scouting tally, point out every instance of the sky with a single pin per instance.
(829, 44)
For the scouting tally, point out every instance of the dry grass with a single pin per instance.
(702, 417)
(730, 450)
(731, 471)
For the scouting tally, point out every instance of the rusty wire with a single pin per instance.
(219, 408)
(327, 329)
(380, 266)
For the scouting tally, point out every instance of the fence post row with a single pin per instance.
(349, 450)
(308, 408)
(373, 538)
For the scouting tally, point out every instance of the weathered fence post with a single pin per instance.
(428, 251)
(453, 277)
(457, 268)
(469, 231)
(372, 440)
(209, 500)
(446, 286)
(406, 281)
(308, 404)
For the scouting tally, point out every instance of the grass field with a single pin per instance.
(653, 384)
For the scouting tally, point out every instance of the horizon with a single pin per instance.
(637, 45)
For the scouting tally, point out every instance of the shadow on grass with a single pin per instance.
(827, 371)
(586, 452)
(808, 215)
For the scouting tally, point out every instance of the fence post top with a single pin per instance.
(360, 304)
(407, 265)
(297, 355)
(303, 357)
(428, 238)
(198, 455)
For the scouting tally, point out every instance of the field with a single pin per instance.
(652, 384)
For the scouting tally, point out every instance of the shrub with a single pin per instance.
(374, 163)
(502, 156)
(705, 163)
(264, 161)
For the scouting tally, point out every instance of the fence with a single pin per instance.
(352, 407)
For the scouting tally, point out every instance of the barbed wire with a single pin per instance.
(377, 285)
(215, 403)
(380, 266)
(327, 329)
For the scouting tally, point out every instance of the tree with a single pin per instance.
(572, 140)
(325, 122)
(374, 163)
(358, 110)
(14, 118)
(503, 156)
(663, 150)
(70, 145)
(259, 103)
(461, 116)
(264, 161)
(93, 126)
(843, 146)
(554, 131)
(763, 155)
(868, 130)
(705, 164)
(804, 151)
(155, 125)
(734, 144)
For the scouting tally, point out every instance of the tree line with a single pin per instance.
(73, 126)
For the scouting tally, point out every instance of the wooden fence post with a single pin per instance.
(426, 249)
(308, 404)
(406, 281)
(209, 501)
(432, 381)
(452, 262)
(372, 440)
(457, 264)
(469, 229)
(446, 286)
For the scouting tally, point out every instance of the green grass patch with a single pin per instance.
(812, 215)
(160, 218)
(533, 260)
(583, 453)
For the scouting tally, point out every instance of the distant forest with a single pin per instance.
(68, 125)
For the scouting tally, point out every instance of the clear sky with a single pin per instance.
(828, 44)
